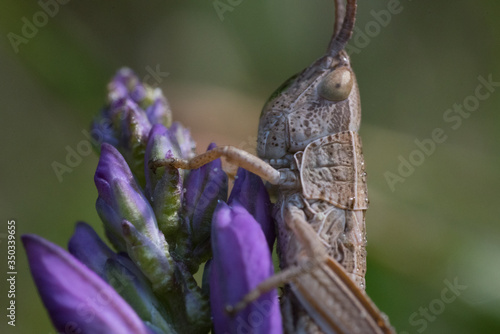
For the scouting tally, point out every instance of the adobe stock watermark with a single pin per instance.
(362, 37)
(261, 311)
(420, 319)
(453, 117)
(156, 75)
(223, 6)
(74, 155)
(249, 145)
(31, 26)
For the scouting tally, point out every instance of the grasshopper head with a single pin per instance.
(321, 100)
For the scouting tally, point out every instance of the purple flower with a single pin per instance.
(139, 295)
(101, 130)
(135, 125)
(125, 84)
(241, 260)
(249, 191)
(159, 111)
(154, 260)
(133, 108)
(134, 128)
(162, 224)
(204, 188)
(121, 198)
(122, 274)
(87, 247)
(76, 298)
(163, 186)
(129, 218)
(184, 140)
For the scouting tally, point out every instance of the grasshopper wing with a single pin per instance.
(335, 304)
(332, 169)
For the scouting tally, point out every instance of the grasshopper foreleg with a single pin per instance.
(232, 154)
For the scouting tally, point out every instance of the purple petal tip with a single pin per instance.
(76, 297)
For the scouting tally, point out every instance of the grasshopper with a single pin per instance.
(309, 149)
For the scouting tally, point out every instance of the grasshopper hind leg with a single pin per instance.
(320, 296)
(311, 255)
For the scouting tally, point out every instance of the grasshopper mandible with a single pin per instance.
(309, 149)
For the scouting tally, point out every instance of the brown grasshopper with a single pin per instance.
(309, 149)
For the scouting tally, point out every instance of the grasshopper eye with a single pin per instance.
(336, 85)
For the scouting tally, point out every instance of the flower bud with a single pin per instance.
(241, 260)
(205, 187)
(76, 298)
(249, 191)
(163, 185)
(153, 259)
(121, 198)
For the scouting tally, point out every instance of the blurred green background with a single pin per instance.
(438, 227)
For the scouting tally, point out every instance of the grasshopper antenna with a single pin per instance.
(339, 16)
(343, 28)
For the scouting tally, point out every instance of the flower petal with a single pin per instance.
(249, 191)
(121, 198)
(76, 298)
(164, 185)
(203, 189)
(159, 111)
(135, 125)
(139, 295)
(154, 260)
(241, 260)
(101, 130)
(87, 247)
(183, 137)
(122, 274)
(205, 186)
(125, 84)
